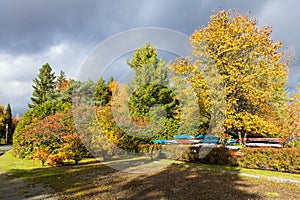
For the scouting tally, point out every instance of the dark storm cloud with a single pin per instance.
(32, 26)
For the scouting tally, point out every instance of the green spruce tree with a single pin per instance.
(102, 93)
(60, 81)
(43, 85)
(150, 86)
(2, 122)
(9, 122)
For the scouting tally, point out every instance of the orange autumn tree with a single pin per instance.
(237, 70)
(53, 136)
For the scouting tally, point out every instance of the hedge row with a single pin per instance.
(283, 159)
(286, 159)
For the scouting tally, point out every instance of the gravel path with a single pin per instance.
(4, 148)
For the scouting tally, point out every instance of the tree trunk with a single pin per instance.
(245, 139)
(240, 138)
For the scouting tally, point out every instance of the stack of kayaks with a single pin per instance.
(213, 140)
(264, 142)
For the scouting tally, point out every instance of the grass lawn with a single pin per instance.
(91, 179)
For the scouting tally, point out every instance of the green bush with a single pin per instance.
(207, 155)
(52, 138)
(219, 156)
(25, 147)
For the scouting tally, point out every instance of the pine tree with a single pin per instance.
(111, 84)
(2, 122)
(63, 89)
(150, 86)
(83, 92)
(102, 94)
(145, 109)
(43, 84)
(60, 81)
(9, 122)
(110, 80)
(148, 68)
(143, 56)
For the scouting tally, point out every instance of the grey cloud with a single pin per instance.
(286, 27)
(33, 26)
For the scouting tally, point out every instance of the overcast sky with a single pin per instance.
(64, 32)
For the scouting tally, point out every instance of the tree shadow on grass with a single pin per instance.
(15, 188)
(46, 182)
(180, 182)
(95, 180)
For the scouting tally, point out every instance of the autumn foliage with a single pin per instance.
(243, 62)
(233, 82)
(52, 139)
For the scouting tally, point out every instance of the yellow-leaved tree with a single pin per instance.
(292, 122)
(238, 74)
